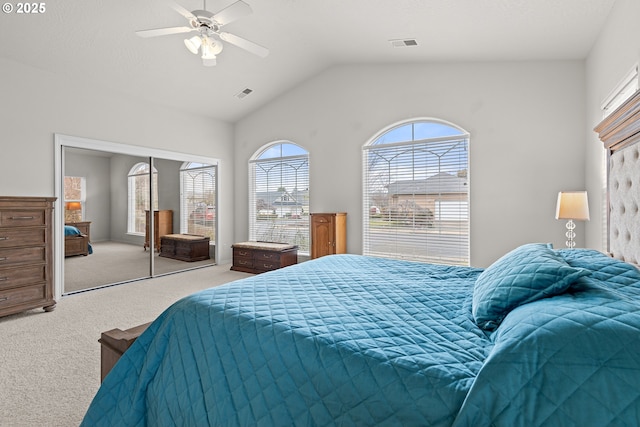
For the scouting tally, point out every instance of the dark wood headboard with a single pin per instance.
(620, 134)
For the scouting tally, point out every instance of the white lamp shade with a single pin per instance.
(193, 44)
(572, 205)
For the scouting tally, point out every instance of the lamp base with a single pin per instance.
(571, 235)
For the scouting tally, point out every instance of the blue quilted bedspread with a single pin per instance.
(352, 340)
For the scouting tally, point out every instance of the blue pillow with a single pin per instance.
(527, 273)
(70, 230)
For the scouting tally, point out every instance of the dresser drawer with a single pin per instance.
(243, 262)
(22, 218)
(20, 276)
(260, 256)
(261, 265)
(22, 295)
(11, 237)
(242, 253)
(22, 256)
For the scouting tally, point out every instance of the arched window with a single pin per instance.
(139, 194)
(416, 193)
(198, 199)
(279, 195)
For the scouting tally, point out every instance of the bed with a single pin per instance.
(76, 242)
(541, 337)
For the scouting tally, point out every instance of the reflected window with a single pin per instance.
(198, 199)
(139, 193)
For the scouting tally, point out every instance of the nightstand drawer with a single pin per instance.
(20, 276)
(11, 237)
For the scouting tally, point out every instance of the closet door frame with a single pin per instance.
(61, 142)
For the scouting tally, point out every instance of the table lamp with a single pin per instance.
(572, 205)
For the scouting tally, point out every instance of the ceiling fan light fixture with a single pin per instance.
(193, 44)
(210, 48)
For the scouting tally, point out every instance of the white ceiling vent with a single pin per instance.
(403, 42)
(243, 93)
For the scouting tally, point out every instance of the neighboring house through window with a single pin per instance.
(279, 195)
(198, 199)
(416, 193)
(139, 194)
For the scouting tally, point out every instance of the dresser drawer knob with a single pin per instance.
(4, 258)
(4, 279)
(4, 238)
(242, 253)
(4, 299)
(22, 217)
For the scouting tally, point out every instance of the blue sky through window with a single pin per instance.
(417, 131)
(282, 150)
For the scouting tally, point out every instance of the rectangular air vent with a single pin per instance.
(243, 93)
(403, 42)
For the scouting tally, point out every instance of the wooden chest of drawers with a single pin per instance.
(258, 257)
(26, 254)
(185, 247)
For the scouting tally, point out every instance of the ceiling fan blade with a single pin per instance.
(245, 44)
(232, 12)
(182, 11)
(163, 31)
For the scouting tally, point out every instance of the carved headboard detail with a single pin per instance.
(620, 134)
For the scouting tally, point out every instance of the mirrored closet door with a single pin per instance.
(127, 217)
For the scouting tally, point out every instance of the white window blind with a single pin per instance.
(139, 192)
(198, 199)
(416, 194)
(279, 196)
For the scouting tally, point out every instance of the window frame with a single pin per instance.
(419, 215)
(294, 200)
(135, 218)
(188, 223)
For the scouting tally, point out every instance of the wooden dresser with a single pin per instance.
(162, 225)
(258, 257)
(328, 234)
(26, 254)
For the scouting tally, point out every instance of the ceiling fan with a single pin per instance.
(209, 38)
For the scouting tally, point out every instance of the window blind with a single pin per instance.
(279, 200)
(416, 200)
(139, 193)
(199, 200)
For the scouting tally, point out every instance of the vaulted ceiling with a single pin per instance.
(94, 42)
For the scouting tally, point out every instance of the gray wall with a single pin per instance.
(526, 121)
(35, 104)
(96, 171)
(616, 51)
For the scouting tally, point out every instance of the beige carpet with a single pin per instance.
(50, 362)
(113, 262)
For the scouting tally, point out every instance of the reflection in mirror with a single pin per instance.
(98, 248)
(107, 198)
